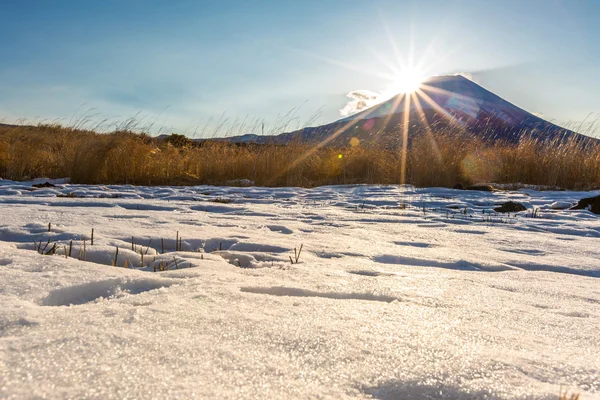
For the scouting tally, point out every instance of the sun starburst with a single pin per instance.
(407, 85)
(407, 81)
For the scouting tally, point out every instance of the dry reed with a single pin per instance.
(124, 157)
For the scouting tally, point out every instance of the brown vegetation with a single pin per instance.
(130, 158)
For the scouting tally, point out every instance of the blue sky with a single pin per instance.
(191, 66)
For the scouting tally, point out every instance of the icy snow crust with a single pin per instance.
(398, 294)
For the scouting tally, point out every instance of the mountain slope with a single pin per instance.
(442, 104)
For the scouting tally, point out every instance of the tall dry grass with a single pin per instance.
(443, 158)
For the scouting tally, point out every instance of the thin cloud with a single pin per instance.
(360, 100)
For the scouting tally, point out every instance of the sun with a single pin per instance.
(407, 81)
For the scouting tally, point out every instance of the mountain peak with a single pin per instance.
(453, 96)
(446, 103)
(457, 77)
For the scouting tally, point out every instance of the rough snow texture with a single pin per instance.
(399, 293)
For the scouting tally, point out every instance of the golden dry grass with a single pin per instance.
(129, 158)
(566, 396)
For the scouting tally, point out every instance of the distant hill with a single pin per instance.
(445, 103)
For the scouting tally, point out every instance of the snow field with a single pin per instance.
(397, 294)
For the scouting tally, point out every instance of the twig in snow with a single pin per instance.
(84, 249)
(116, 257)
(51, 251)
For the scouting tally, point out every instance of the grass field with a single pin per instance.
(124, 157)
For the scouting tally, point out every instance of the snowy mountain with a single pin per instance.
(460, 97)
(441, 103)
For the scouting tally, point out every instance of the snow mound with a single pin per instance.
(108, 289)
(295, 292)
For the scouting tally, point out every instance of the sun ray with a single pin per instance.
(429, 88)
(342, 64)
(395, 49)
(438, 108)
(313, 150)
(393, 108)
(405, 127)
(411, 45)
(424, 64)
(383, 60)
(428, 130)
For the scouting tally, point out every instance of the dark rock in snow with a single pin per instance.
(458, 186)
(481, 188)
(589, 203)
(43, 185)
(510, 206)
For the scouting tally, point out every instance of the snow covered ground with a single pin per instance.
(398, 293)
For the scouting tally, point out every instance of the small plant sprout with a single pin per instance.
(116, 259)
(297, 253)
(45, 247)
